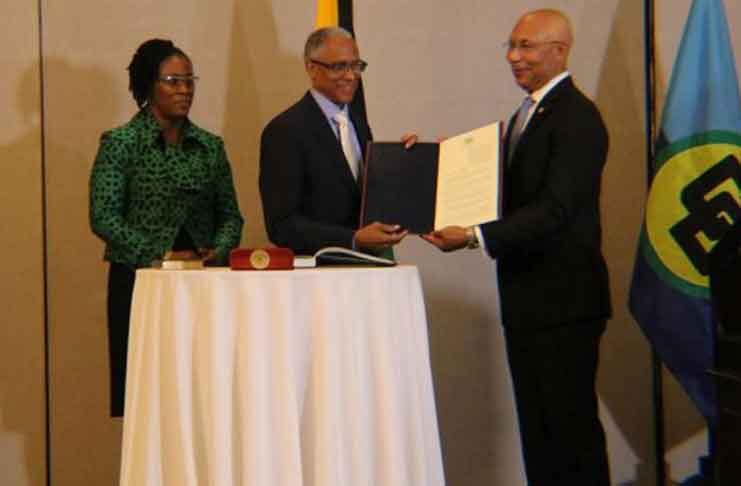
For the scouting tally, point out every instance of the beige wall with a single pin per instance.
(22, 409)
(437, 68)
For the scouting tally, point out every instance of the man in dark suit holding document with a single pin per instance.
(311, 157)
(553, 279)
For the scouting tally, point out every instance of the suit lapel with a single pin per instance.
(544, 108)
(364, 136)
(319, 126)
(361, 129)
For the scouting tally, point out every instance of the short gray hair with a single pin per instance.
(316, 39)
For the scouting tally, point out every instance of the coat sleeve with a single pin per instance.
(229, 219)
(108, 200)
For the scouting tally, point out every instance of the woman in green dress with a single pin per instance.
(159, 184)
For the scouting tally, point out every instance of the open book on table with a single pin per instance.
(335, 255)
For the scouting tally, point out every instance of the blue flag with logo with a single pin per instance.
(693, 200)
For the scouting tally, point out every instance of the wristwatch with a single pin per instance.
(471, 240)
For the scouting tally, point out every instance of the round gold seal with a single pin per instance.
(259, 259)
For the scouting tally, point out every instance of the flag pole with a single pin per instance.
(657, 368)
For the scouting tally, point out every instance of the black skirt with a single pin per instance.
(120, 290)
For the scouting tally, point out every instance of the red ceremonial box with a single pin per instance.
(261, 259)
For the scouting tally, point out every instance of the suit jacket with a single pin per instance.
(548, 241)
(309, 196)
(143, 192)
(725, 268)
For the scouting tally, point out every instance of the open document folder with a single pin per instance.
(434, 185)
(333, 255)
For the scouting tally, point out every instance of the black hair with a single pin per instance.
(144, 68)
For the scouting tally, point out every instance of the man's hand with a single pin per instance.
(378, 235)
(409, 139)
(450, 238)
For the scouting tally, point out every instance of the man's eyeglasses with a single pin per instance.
(173, 80)
(340, 68)
(526, 45)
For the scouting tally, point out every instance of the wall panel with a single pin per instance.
(22, 411)
(245, 71)
(448, 75)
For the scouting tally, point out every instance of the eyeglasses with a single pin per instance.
(526, 45)
(173, 80)
(340, 68)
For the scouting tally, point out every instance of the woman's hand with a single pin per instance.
(208, 255)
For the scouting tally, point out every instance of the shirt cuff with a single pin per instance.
(480, 239)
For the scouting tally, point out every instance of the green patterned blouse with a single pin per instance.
(143, 191)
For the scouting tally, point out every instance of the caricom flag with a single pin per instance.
(693, 200)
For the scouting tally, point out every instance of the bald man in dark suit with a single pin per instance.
(553, 281)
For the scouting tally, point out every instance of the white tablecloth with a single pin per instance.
(314, 377)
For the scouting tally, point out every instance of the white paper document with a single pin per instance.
(468, 178)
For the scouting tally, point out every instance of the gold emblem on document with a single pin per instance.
(259, 259)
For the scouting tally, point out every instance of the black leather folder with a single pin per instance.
(400, 185)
